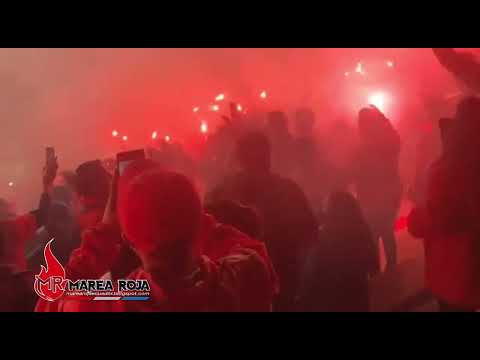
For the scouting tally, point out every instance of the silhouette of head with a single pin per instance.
(253, 153)
(92, 183)
(373, 125)
(160, 214)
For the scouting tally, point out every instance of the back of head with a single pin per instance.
(375, 127)
(93, 182)
(253, 153)
(160, 213)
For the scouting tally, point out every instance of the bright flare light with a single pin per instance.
(215, 108)
(10, 184)
(167, 138)
(114, 133)
(347, 74)
(204, 127)
(196, 109)
(379, 99)
(220, 97)
(390, 64)
(359, 69)
(263, 95)
(125, 138)
(239, 108)
(154, 135)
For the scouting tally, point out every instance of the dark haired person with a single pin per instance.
(336, 274)
(92, 186)
(375, 174)
(289, 225)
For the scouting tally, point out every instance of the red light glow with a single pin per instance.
(204, 127)
(380, 100)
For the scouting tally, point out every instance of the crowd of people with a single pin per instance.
(278, 226)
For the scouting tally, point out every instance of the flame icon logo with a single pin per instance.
(50, 283)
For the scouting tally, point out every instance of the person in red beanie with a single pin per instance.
(161, 215)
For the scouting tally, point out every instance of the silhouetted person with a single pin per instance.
(281, 142)
(6, 210)
(16, 286)
(336, 275)
(448, 222)
(310, 168)
(61, 226)
(375, 171)
(462, 65)
(92, 189)
(289, 225)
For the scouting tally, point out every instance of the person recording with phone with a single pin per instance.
(159, 213)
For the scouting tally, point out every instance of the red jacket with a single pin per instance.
(452, 246)
(235, 274)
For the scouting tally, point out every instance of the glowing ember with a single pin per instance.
(220, 97)
(114, 133)
(154, 135)
(239, 107)
(196, 109)
(379, 99)
(204, 127)
(390, 64)
(359, 68)
(168, 138)
(263, 95)
(125, 138)
(215, 108)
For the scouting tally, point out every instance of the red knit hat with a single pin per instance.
(156, 208)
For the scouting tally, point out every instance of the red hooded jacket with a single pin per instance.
(452, 245)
